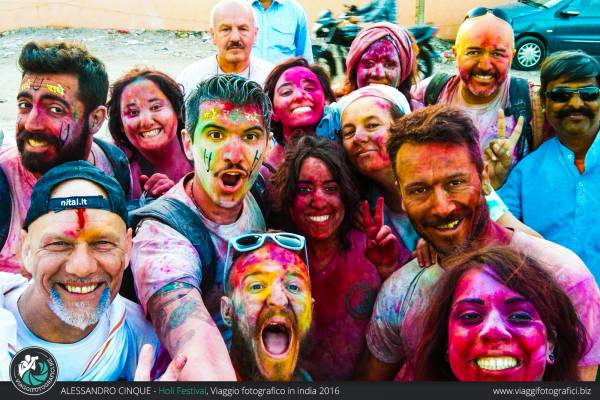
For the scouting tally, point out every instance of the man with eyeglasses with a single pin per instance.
(483, 88)
(556, 190)
(268, 305)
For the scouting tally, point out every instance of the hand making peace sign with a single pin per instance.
(382, 245)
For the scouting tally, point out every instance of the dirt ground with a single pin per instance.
(168, 51)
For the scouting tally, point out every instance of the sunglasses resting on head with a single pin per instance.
(479, 11)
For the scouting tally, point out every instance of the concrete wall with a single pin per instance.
(194, 14)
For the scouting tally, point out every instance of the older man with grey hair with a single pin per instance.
(233, 31)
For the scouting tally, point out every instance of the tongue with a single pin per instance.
(230, 179)
(276, 342)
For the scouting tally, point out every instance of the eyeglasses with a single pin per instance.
(563, 95)
(479, 11)
(253, 241)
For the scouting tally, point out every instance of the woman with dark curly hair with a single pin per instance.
(497, 315)
(146, 116)
(318, 196)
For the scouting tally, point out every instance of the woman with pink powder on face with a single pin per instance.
(347, 266)
(499, 316)
(146, 116)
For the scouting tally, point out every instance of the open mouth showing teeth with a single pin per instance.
(319, 218)
(497, 363)
(276, 339)
(36, 143)
(150, 134)
(80, 289)
(484, 77)
(300, 110)
(231, 179)
(448, 226)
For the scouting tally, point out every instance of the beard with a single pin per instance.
(82, 316)
(40, 163)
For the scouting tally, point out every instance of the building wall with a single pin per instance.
(194, 14)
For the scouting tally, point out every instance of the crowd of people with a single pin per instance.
(248, 222)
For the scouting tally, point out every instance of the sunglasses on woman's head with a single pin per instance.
(479, 11)
(253, 241)
(563, 95)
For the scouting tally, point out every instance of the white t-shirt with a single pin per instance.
(257, 71)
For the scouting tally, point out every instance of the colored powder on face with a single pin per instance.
(81, 217)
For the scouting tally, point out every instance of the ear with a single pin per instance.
(454, 51)
(128, 244)
(312, 306)
(96, 118)
(274, 117)
(485, 177)
(227, 310)
(550, 359)
(187, 145)
(25, 251)
(212, 34)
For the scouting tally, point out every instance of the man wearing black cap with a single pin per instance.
(76, 245)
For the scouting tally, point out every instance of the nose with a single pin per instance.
(235, 34)
(575, 101)
(485, 61)
(146, 118)
(34, 120)
(81, 263)
(233, 150)
(442, 205)
(494, 328)
(277, 297)
(318, 199)
(378, 70)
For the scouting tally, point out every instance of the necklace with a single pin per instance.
(219, 71)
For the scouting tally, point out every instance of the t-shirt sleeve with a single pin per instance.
(495, 205)
(417, 94)
(585, 297)
(383, 332)
(161, 255)
(510, 192)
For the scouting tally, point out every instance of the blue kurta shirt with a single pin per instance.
(546, 191)
(282, 31)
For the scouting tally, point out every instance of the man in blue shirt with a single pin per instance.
(283, 31)
(556, 189)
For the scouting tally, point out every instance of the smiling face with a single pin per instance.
(484, 51)
(147, 116)
(380, 63)
(272, 310)
(51, 121)
(318, 210)
(574, 118)
(230, 142)
(494, 333)
(299, 99)
(441, 193)
(234, 33)
(77, 257)
(365, 130)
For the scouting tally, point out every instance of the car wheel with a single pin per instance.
(530, 53)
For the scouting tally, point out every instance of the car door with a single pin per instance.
(578, 27)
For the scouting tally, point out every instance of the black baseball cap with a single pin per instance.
(42, 203)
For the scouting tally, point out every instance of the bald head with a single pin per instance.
(226, 7)
(486, 25)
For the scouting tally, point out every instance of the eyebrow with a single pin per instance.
(46, 96)
(471, 301)
(514, 300)
(311, 182)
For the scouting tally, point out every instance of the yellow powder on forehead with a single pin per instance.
(55, 88)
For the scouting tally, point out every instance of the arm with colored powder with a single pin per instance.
(185, 327)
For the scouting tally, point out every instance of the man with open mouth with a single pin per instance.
(557, 189)
(441, 177)
(60, 107)
(76, 245)
(268, 304)
(226, 137)
(484, 50)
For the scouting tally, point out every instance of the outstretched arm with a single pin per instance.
(185, 327)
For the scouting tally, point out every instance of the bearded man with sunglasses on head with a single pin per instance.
(556, 189)
(504, 109)
(268, 304)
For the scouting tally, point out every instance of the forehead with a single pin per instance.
(486, 31)
(65, 85)
(366, 107)
(432, 161)
(270, 259)
(481, 284)
(297, 74)
(233, 15)
(380, 48)
(314, 169)
(141, 88)
(225, 111)
(563, 81)
(66, 221)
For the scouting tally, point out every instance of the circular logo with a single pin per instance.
(33, 370)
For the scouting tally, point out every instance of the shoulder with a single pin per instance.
(9, 155)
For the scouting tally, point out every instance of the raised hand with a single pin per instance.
(382, 245)
(145, 362)
(425, 254)
(499, 152)
(156, 185)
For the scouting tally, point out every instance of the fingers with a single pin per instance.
(501, 124)
(153, 180)
(174, 369)
(366, 215)
(425, 255)
(143, 179)
(160, 188)
(382, 233)
(516, 133)
(142, 372)
(379, 212)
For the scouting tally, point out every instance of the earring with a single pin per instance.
(551, 358)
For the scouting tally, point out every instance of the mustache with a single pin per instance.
(235, 44)
(570, 110)
(232, 166)
(46, 137)
(480, 72)
(456, 215)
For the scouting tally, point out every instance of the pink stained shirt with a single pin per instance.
(395, 327)
(21, 183)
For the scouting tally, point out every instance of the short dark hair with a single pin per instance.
(522, 274)
(332, 154)
(228, 87)
(167, 85)
(276, 73)
(435, 124)
(569, 65)
(68, 58)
